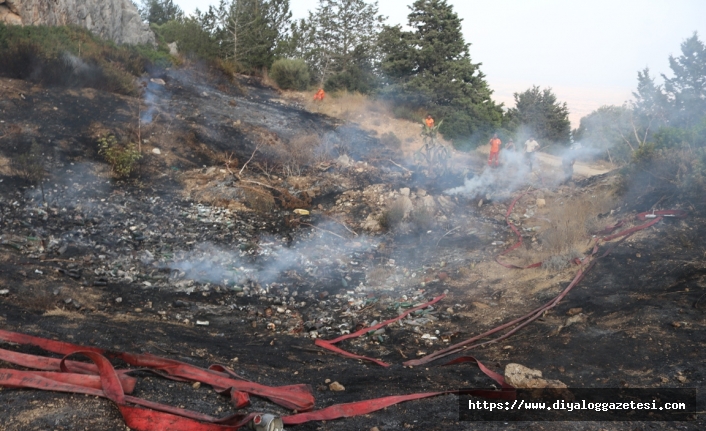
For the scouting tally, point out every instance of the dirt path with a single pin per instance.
(580, 169)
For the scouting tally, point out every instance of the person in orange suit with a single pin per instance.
(429, 121)
(319, 96)
(494, 150)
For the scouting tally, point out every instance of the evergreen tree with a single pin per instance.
(538, 113)
(247, 31)
(160, 11)
(338, 41)
(430, 68)
(686, 91)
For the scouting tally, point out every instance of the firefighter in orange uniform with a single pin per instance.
(319, 96)
(429, 121)
(494, 150)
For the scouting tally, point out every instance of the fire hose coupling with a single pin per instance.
(267, 422)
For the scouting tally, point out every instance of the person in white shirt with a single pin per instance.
(531, 147)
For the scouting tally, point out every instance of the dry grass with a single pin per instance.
(570, 220)
(372, 115)
(294, 157)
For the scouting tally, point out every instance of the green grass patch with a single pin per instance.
(70, 56)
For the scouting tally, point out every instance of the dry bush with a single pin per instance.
(569, 219)
(560, 261)
(295, 156)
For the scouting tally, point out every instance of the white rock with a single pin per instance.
(156, 151)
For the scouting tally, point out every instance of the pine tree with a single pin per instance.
(160, 11)
(430, 68)
(538, 113)
(686, 91)
(338, 41)
(247, 31)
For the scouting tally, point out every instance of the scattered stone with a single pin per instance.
(344, 160)
(118, 300)
(196, 385)
(579, 318)
(681, 378)
(202, 323)
(574, 311)
(404, 191)
(156, 151)
(520, 376)
(336, 387)
(541, 203)
(4, 292)
(158, 81)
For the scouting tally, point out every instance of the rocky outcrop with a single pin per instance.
(117, 20)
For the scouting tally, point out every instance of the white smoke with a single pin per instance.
(512, 174)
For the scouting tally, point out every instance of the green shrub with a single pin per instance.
(290, 74)
(190, 37)
(70, 56)
(121, 158)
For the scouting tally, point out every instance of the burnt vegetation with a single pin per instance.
(166, 204)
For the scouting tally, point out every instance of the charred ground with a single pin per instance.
(133, 264)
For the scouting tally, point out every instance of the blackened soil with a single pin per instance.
(644, 304)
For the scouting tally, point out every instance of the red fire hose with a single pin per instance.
(100, 379)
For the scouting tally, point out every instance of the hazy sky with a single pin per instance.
(589, 52)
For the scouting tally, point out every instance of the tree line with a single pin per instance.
(346, 45)
(662, 117)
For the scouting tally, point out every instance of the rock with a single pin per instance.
(8, 16)
(344, 160)
(4, 292)
(374, 429)
(336, 387)
(158, 82)
(541, 203)
(404, 191)
(371, 224)
(574, 311)
(428, 202)
(579, 318)
(116, 20)
(522, 377)
(173, 48)
(406, 204)
(118, 300)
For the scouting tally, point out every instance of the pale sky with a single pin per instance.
(588, 52)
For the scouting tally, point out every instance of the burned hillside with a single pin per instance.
(250, 228)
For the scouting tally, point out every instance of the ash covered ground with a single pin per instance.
(201, 260)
